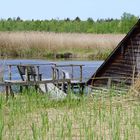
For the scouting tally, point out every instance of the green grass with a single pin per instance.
(33, 116)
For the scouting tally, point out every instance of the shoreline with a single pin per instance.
(63, 56)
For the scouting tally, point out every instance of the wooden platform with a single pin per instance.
(56, 87)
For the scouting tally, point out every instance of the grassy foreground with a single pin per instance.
(57, 45)
(32, 116)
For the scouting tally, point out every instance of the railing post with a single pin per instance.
(72, 74)
(38, 76)
(10, 73)
(81, 73)
(63, 83)
(57, 71)
(26, 74)
(53, 73)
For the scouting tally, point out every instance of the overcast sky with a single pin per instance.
(48, 9)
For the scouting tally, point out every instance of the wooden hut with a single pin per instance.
(123, 64)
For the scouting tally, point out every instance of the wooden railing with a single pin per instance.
(26, 66)
(58, 73)
(110, 80)
(72, 66)
(9, 84)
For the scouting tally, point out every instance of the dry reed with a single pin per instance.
(43, 44)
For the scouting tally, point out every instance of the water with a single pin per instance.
(89, 67)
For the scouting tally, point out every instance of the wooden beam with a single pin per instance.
(69, 65)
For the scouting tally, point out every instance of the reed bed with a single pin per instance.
(32, 116)
(53, 45)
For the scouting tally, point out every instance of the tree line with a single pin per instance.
(67, 25)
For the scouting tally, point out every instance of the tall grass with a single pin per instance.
(32, 116)
(43, 44)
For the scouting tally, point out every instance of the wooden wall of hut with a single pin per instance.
(123, 64)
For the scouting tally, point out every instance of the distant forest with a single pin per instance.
(67, 25)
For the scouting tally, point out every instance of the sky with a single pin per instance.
(61, 9)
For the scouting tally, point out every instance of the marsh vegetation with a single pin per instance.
(57, 45)
(31, 116)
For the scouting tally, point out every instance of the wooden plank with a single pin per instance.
(119, 74)
(132, 47)
(69, 65)
(122, 80)
(15, 82)
(122, 65)
(31, 64)
(124, 61)
(124, 69)
(134, 51)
